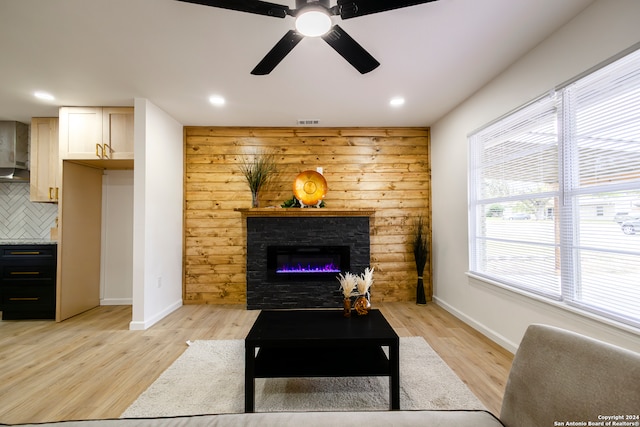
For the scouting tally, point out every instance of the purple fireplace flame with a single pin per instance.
(306, 262)
(309, 268)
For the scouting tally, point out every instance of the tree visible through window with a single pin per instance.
(555, 195)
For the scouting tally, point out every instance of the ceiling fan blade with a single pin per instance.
(350, 50)
(277, 53)
(354, 8)
(251, 6)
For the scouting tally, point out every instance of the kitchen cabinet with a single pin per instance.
(28, 281)
(44, 185)
(96, 133)
(117, 133)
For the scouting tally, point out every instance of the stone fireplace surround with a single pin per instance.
(309, 226)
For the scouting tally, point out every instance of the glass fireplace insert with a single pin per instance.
(285, 263)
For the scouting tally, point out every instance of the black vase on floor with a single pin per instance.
(420, 297)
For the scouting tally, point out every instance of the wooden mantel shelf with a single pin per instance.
(304, 212)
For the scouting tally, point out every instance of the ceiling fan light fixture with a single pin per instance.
(313, 22)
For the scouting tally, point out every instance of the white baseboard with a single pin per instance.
(116, 301)
(488, 332)
(147, 323)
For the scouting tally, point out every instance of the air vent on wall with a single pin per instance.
(308, 122)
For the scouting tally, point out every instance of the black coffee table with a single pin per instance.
(315, 343)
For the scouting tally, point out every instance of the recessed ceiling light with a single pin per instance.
(44, 96)
(397, 101)
(217, 100)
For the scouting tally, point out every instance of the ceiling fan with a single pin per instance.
(313, 18)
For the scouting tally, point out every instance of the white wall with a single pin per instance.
(158, 228)
(116, 264)
(604, 29)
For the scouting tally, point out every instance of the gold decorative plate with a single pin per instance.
(309, 187)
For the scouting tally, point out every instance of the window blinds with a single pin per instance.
(515, 178)
(555, 193)
(601, 140)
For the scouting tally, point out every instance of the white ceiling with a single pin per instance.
(108, 52)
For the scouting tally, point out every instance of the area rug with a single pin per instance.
(208, 378)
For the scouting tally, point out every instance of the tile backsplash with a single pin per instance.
(22, 219)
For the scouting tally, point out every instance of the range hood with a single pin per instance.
(14, 154)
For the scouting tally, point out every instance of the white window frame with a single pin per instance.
(566, 214)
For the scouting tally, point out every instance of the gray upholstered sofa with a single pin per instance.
(558, 378)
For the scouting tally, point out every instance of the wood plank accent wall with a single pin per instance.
(383, 169)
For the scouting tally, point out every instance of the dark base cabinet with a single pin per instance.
(28, 281)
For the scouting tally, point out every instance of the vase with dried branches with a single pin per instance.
(347, 284)
(362, 305)
(258, 170)
(420, 245)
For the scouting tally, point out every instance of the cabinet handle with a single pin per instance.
(25, 252)
(57, 193)
(106, 150)
(31, 273)
(99, 147)
(50, 193)
(24, 299)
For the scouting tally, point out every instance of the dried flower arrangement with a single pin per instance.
(258, 170)
(348, 283)
(362, 304)
(365, 281)
(354, 285)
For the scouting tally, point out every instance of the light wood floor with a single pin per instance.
(92, 366)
